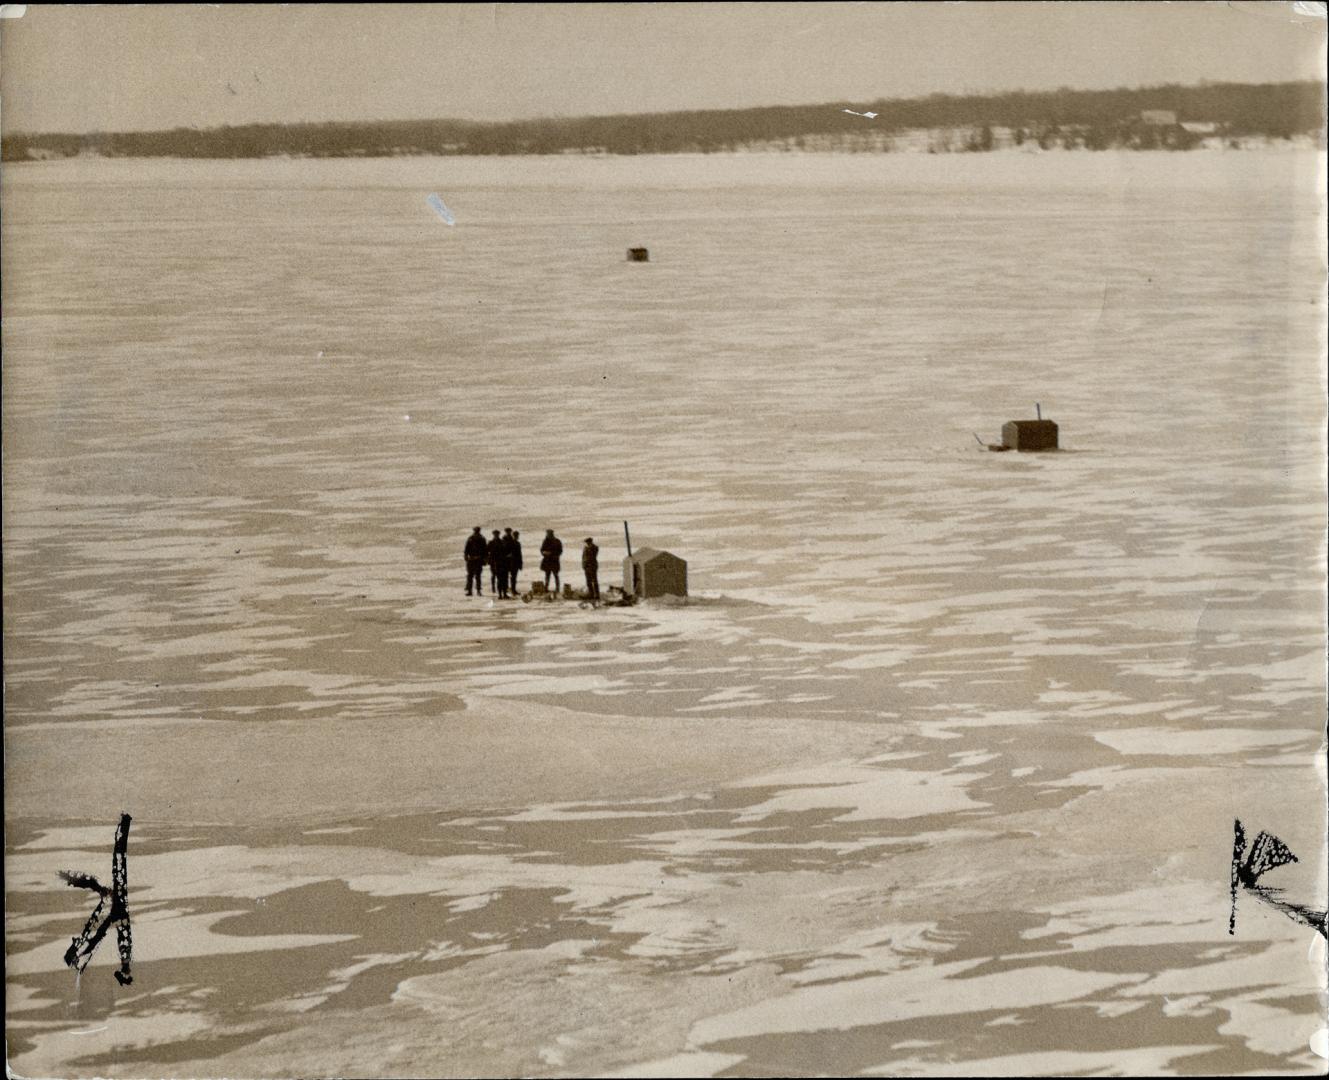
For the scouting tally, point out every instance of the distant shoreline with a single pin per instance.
(909, 143)
(1230, 115)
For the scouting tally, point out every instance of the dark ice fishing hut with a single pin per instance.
(1029, 435)
(638, 255)
(648, 572)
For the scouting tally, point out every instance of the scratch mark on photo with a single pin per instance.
(445, 215)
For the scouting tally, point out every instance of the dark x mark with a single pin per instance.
(1266, 853)
(82, 947)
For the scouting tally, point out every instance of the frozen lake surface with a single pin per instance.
(936, 772)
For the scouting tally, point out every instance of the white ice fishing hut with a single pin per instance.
(648, 572)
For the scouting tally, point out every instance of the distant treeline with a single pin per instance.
(1100, 119)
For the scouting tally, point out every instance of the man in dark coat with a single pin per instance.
(551, 549)
(514, 561)
(475, 553)
(590, 563)
(498, 567)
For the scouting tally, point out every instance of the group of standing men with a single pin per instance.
(502, 554)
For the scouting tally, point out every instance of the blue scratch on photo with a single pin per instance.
(436, 204)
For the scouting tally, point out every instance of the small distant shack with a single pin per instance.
(638, 255)
(1029, 435)
(649, 572)
(1158, 118)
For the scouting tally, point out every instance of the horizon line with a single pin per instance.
(545, 118)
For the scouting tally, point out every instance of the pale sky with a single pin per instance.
(109, 68)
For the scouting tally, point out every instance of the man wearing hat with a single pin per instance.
(475, 553)
(498, 566)
(514, 561)
(551, 550)
(590, 563)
